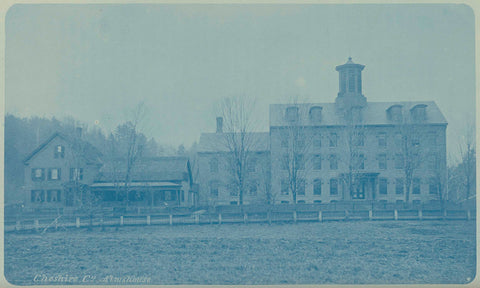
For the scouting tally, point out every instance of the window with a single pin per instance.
(359, 161)
(233, 202)
(76, 174)
(317, 141)
(252, 188)
(291, 114)
(168, 195)
(317, 201)
(284, 188)
(301, 201)
(382, 139)
(333, 162)
(251, 165)
(383, 186)
(317, 187)
(38, 174)
(343, 81)
(333, 186)
(300, 142)
(214, 165)
(317, 162)
(382, 161)
(37, 196)
(54, 174)
(416, 186)
(359, 83)
(398, 161)
(284, 143)
(59, 152)
(301, 187)
(214, 188)
(399, 186)
(351, 81)
(359, 139)
(333, 139)
(300, 162)
(54, 196)
(433, 186)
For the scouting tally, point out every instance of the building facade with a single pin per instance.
(349, 150)
(218, 166)
(59, 172)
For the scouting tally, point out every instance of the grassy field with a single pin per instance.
(305, 253)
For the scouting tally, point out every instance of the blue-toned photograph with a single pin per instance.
(239, 144)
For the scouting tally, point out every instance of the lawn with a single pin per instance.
(363, 252)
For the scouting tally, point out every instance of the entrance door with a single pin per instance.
(359, 190)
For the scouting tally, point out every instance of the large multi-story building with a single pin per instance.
(351, 150)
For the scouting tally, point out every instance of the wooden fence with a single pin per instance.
(48, 223)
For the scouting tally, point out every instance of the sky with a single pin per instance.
(97, 62)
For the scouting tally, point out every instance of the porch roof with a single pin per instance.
(136, 184)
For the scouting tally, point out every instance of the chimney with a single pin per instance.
(78, 132)
(219, 125)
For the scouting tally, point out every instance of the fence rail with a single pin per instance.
(43, 224)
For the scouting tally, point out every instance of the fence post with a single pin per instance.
(245, 218)
(444, 214)
(121, 220)
(269, 216)
(219, 218)
(420, 214)
(319, 216)
(148, 220)
(36, 224)
(395, 214)
(370, 214)
(171, 219)
(295, 216)
(77, 222)
(197, 219)
(18, 225)
(469, 216)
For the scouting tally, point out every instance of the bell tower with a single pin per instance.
(350, 87)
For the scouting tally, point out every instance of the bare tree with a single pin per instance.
(353, 141)
(468, 162)
(129, 142)
(296, 142)
(237, 114)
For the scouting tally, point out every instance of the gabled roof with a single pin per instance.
(374, 113)
(84, 148)
(150, 169)
(217, 142)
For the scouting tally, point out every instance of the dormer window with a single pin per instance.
(418, 113)
(291, 114)
(394, 113)
(59, 151)
(315, 114)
